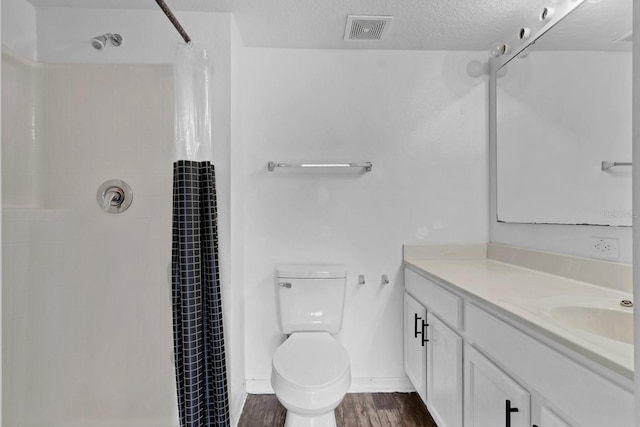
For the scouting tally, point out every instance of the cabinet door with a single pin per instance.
(444, 373)
(415, 354)
(548, 418)
(492, 398)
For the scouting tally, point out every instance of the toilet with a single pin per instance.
(310, 372)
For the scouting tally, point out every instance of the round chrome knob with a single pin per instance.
(114, 196)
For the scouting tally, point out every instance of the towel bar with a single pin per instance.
(367, 166)
(609, 165)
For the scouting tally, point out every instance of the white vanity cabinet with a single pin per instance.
(439, 378)
(492, 397)
(415, 353)
(585, 396)
(488, 369)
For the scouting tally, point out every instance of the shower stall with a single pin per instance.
(87, 164)
(87, 324)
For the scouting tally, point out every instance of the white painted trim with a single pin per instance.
(1, 241)
(636, 191)
(381, 385)
(114, 422)
(259, 387)
(236, 410)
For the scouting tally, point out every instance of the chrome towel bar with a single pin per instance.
(367, 166)
(609, 165)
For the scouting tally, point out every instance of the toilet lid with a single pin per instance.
(311, 360)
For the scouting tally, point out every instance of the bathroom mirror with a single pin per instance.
(563, 106)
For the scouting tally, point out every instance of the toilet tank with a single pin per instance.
(310, 297)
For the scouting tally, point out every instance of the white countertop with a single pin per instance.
(528, 296)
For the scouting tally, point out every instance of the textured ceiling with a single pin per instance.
(417, 24)
(185, 5)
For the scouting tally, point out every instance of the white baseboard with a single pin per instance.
(381, 385)
(358, 385)
(115, 423)
(259, 387)
(236, 407)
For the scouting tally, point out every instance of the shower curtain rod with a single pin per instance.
(174, 21)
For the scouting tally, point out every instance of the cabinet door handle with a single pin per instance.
(424, 333)
(415, 325)
(508, 411)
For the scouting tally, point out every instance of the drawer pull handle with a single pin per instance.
(424, 333)
(423, 329)
(508, 411)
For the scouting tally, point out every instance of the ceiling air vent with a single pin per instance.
(362, 27)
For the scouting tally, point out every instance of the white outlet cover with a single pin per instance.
(605, 247)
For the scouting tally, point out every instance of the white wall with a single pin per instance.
(19, 28)
(421, 121)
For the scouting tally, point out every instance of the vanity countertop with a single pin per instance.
(538, 299)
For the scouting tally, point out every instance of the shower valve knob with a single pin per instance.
(114, 196)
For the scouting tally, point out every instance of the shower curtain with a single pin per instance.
(201, 377)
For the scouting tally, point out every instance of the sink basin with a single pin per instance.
(612, 323)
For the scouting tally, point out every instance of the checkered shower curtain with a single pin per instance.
(197, 305)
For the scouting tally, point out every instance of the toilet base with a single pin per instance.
(295, 420)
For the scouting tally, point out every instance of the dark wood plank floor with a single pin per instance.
(356, 410)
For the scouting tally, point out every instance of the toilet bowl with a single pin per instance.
(310, 376)
(310, 371)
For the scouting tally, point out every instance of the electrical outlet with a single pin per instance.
(604, 247)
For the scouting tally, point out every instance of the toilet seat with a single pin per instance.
(311, 361)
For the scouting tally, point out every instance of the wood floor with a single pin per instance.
(356, 410)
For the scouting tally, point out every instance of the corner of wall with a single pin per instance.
(236, 249)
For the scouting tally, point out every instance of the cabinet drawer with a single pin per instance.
(446, 305)
(583, 395)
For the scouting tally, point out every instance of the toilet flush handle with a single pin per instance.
(285, 284)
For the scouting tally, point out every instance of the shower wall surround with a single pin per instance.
(87, 317)
(22, 87)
